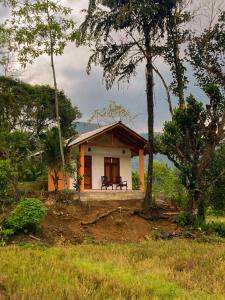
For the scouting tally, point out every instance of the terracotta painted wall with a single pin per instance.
(51, 187)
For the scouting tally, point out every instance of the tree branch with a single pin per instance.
(166, 88)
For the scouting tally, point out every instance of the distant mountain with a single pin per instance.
(158, 157)
(82, 127)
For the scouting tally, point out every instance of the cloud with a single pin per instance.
(89, 92)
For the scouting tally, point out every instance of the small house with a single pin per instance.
(105, 157)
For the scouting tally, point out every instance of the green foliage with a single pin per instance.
(190, 141)
(215, 227)
(215, 175)
(4, 235)
(33, 170)
(168, 181)
(184, 219)
(31, 108)
(209, 68)
(27, 215)
(77, 182)
(51, 154)
(7, 52)
(140, 23)
(46, 28)
(51, 150)
(135, 180)
(7, 177)
(16, 146)
(211, 211)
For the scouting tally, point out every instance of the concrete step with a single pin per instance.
(111, 195)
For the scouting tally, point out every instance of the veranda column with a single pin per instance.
(81, 169)
(141, 170)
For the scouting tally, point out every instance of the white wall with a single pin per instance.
(73, 163)
(98, 154)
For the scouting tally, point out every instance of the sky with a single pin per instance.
(88, 92)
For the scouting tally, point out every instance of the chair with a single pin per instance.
(120, 183)
(105, 182)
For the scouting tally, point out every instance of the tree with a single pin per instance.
(52, 155)
(190, 141)
(191, 138)
(215, 175)
(114, 112)
(7, 175)
(43, 27)
(177, 36)
(16, 147)
(52, 158)
(44, 117)
(141, 25)
(7, 53)
(30, 108)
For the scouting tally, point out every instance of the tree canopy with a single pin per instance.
(31, 107)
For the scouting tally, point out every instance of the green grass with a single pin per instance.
(176, 269)
(215, 219)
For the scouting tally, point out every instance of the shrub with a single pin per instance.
(215, 212)
(135, 181)
(168, 181)
(27, 215)
(64, 196)
(4, 235)
(214, 227)
(186, 219)
(182, 219)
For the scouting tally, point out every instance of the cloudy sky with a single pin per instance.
(89, 93)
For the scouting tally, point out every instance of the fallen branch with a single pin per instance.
(34, 237)
(106, 214)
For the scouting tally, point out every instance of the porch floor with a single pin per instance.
(110, 195)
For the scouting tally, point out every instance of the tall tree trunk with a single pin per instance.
(150, 110)
(56, 98)
(58, 121)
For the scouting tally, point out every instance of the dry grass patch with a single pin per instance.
(176, 269)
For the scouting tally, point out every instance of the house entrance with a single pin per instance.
(88, 172)
(112, 168)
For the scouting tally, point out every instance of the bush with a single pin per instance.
(182, 219)
(135, 181)
(167, 181)
(27, 215)
(186, 219)
(214, 227)
(4, 235)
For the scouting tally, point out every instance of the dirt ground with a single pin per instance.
(100, 221)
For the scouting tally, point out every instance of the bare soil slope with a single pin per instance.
(99, 222)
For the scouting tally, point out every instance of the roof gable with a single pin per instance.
(121, 132)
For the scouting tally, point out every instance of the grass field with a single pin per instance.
(174, 269)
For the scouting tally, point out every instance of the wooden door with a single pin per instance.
(112, 168)
(87, 172)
